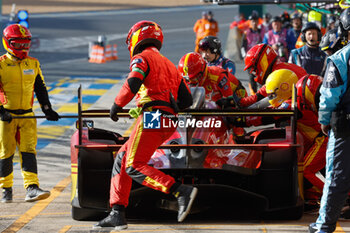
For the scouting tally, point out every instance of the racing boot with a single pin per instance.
(313, 229)
(6, 195)
(114, 221)
(34, 193)
(185, 195)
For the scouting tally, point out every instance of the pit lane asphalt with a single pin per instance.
(53, 214)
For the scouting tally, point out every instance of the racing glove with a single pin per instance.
(5, 115)
(227, 102)
(237, 121)
(113, 112)
(50, 114)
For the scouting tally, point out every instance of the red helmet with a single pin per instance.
(192, 67)
(308, 91)
(144, 32)
(259, 59)
(16, 40)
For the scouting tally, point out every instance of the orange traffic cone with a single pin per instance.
(115, 52)
(108, 53)
(97, 54)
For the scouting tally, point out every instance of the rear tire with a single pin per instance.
(83, 214)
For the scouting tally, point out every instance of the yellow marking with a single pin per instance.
(185, 67)
(155, 184)
(72, 108)
(339, 229)
(264, 230)
(94, 91)
(22, 30)
(111, 81)
(56, 91)
(65, 229)
(135, 143)
(38, 207)
(51, 132)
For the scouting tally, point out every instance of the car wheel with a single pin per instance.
(81, 214)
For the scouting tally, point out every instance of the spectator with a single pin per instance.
(251, 37)
(266, 25)
(278, 39)
(20, 78)
(206, 26)
(210, 49)
(294, 32)
(310, 56)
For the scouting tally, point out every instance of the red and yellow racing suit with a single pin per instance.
(19, 79)
(219, 83)
(261, 93)
(154, 78)
(314, 143)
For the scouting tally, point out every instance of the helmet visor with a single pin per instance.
(204, 45)
(196, 78)
(19, 44)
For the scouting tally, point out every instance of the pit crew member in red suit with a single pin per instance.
(161, 89)
(216, 81)
(261, 61)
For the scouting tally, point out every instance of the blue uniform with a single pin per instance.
(337, 183)
(224, 63)
(313, 60)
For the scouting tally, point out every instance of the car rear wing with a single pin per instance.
(292, 114)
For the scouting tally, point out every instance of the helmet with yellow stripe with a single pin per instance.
(279, 86)
(192, 67)
(143, 33)
(16, 40)
(308, 90)
(259, 60)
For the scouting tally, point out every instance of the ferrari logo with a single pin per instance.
(22, 30)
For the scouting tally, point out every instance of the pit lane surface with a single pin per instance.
(64, 62)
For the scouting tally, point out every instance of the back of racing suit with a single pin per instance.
(160, 82)
(19, 79)
(261, 93)
(337, 183)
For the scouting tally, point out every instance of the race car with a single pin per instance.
(259, 173)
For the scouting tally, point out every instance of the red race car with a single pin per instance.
(260, 172)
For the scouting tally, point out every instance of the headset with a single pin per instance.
(308, 26)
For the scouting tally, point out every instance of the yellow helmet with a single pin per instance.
(315, 17)
(279, 86)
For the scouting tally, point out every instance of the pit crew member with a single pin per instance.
(20, 78)
(161, 90)
(210, 49)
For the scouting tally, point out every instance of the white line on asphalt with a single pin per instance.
(51, 45)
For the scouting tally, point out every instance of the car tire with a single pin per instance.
(81, 214)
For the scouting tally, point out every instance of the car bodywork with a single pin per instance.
(260, 172)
